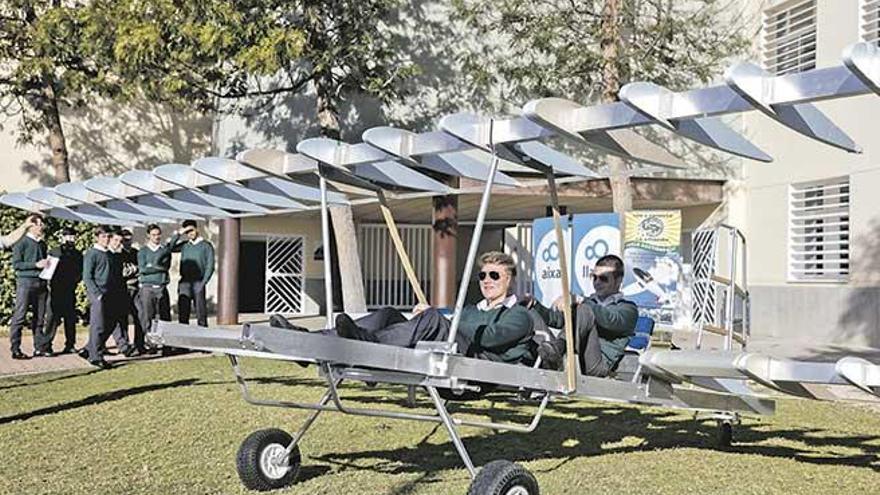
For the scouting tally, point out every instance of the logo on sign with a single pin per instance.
(598, 242)
(548, 274)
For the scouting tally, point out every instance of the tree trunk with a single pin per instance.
(48, 107)
(621, 188)
(353, 299)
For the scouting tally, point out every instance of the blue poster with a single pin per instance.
(594, 236)
(547, 285)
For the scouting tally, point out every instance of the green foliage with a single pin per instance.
(552, 48)
(10, 218)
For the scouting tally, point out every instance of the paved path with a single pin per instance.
(8, 366)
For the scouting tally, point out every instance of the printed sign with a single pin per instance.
(548, 276)
(595, 235)
(652, 254)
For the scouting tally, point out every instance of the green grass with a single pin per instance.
(174, 427)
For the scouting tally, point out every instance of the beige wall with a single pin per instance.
(833, 312)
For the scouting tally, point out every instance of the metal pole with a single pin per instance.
(475, 239)
(453, 434)
(325, 236)
(401, 250)
(571, 356)
(731, 289)
(230, 240)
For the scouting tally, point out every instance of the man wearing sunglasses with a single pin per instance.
(603, 322)
(496, 328)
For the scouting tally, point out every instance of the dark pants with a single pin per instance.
(62, 306)
(154, 302)
(134, 310)
(30, 294)
(389, 326)
(105, 317)
(587, 342)
(189, 294)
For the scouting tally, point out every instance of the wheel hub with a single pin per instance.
(273, 461)
(517, 490)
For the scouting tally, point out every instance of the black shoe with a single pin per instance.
(47, 354)
(551, 357)
(68, 349)
(347, 328)
(279, 321)
(83, 353)
(131, 352)
(19, 355)
(104, 365)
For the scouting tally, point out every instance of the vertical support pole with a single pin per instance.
(475, 239)
(401, 250)
(445, 236)
(731, 289)
(453, 433)
(571, 359)
(227, 300)
(325, 240)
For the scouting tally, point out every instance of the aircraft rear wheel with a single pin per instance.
(262, 460)
(504, 478)
(725, 434)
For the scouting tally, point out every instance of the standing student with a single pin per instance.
(28, 260)
(196, 269)
(96, 276)
(62, 293)
(129, 257)
(154, 263)
(9, 240)
(117, 308)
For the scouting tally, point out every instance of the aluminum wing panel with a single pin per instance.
(280, 166)
(863, 60)
(126, 197)
(223, 196)
(78, 192)
(655, 102)
(162, 195)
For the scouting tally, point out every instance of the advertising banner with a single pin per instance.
(548, 277)
(652, 254)
(594, 236)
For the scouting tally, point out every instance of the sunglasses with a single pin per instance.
(493, 275)
(602, 278)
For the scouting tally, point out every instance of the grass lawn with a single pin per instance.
(174, 427)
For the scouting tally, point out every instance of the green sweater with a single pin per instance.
(615, 319)
(499, 334)
(97, 271)
(196, 261)
(25, 255)
(154, 265)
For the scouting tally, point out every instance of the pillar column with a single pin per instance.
(445, 225)
(227, 290)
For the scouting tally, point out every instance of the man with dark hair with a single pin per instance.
(117, 310)
(603, 322)
(62, 293)
(154, 262)
(97, 278)
(196, 269)
(129, 257)
(28, 260)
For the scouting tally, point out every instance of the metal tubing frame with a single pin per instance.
(328, 270)
(475, 239)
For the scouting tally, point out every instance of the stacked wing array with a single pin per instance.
(265, 182)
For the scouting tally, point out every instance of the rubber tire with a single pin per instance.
(725, 434)
(247, 461)
(499, 477)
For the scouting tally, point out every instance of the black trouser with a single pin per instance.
(30, 294)
(105, 316)
(189, 294)
(134, 310)
(587, 342)
(389, 326)
(154, 302)
(62, 306)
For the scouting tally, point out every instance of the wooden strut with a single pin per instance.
(398, 246)
(571, 367)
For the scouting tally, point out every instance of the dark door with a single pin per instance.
(252, 277)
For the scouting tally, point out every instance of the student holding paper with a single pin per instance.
(28, 260)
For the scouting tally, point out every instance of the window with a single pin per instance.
(869, 21)
(789, 41)
(818, 231)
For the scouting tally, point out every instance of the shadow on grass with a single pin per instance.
(96, 399)
(50, 380)
(600, 430)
